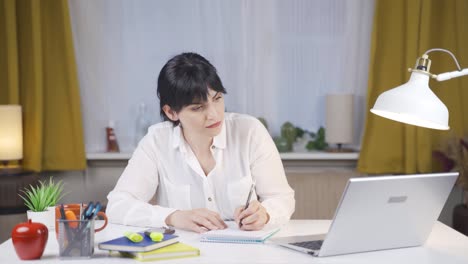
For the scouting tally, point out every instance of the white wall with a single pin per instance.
(277, 59)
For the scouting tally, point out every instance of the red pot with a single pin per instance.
(29, 240)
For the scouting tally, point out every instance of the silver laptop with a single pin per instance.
(377, 213)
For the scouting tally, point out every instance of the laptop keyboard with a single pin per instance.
(315, 245)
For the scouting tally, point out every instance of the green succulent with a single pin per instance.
(288, 131)
(45, 194)
(282, 144)
(318, 142)
(321, 133)
(299, 132)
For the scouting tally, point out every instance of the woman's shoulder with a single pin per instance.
(242, 121)
(159, 138)
(161, 131)
(240, 118)
(161, 126)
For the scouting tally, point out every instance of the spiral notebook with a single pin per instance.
(233, 234)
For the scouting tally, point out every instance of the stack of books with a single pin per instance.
(147, 250)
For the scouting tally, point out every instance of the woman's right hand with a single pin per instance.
(199, 220)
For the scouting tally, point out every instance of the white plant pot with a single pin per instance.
(45, 217)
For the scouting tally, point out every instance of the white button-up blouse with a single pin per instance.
(163, 163)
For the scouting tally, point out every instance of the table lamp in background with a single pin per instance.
(11, 137)
(413, 102)
(339, 123)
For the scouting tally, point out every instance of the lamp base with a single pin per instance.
(11, 171)
(339, 149)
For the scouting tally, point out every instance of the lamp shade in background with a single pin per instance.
(11, 133)
(339, 123)
(413, 103)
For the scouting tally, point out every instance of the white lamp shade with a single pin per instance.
(413, 103)
(339, 121)
(11, 133)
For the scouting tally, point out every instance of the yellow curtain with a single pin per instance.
(38, 71)
(403, 31)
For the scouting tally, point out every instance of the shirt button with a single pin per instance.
(213, 147)
(209, 199)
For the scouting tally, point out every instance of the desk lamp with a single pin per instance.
(413, 102)
(11, 136)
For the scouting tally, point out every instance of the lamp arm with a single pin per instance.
(446, 51)
(449, 75)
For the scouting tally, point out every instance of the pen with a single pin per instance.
(65, 223)
(248, 201)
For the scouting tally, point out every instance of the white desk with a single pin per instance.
(443, 246)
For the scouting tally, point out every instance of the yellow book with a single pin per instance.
(177, 250)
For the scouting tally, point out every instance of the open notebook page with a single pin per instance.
(233, 234)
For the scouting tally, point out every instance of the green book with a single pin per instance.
(177, 250)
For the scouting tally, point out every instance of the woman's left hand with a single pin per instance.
(253, 218)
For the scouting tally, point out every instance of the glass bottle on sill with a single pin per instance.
(142, 123)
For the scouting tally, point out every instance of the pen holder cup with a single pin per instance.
(76, 238)
(77, 210)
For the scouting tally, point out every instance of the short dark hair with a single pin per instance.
(185, 79)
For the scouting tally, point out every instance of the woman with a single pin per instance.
(201, 161)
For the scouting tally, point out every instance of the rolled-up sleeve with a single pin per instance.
(128, 202)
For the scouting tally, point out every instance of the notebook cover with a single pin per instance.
(124, 244)
(177, 250)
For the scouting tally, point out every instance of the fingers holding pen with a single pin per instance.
(237, 213)
(254, 217)
(240, 213)
(251, 209)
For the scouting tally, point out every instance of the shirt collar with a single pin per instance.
(220, 140)
(178, 138)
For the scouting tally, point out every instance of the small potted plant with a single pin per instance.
(41, 200)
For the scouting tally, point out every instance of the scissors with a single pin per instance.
(91, 210)
(163, 230)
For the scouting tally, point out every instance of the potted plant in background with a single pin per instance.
(41, 200)
(306, 140)
(453, 156)
(318, 140)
